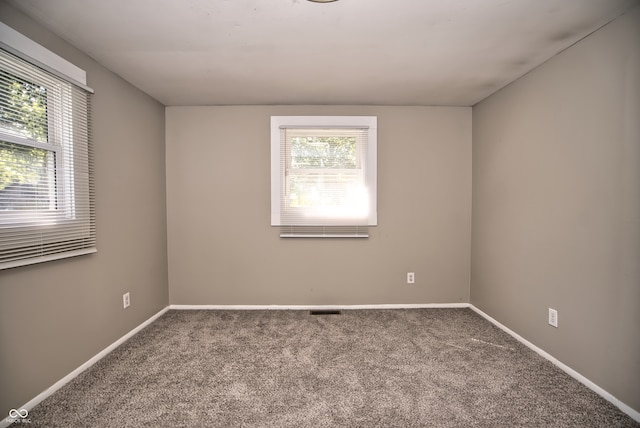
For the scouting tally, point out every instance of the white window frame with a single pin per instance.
(279, 164)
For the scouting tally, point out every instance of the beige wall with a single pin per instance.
(223, 251)
(556, 207)
(55, 316)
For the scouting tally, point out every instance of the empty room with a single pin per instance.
(317, 213)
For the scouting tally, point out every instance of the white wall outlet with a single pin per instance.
(411, 277)
(553, 317)
(126, 300)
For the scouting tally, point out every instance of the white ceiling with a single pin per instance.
(378, 52)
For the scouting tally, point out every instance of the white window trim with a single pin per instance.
(68, 186)
(27, 49)
(277, 174)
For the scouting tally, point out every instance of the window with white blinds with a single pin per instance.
(46, 189)
(323, 175)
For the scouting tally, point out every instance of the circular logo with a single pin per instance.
(22, 413)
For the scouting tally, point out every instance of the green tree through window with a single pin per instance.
(23, 107)
(24, 169)
(323, 152)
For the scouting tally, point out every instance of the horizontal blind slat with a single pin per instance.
(324, 231)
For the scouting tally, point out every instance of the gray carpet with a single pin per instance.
(365, 368)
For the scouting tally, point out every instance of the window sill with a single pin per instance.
(51, 257)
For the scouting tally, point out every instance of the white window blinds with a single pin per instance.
(323, 175)
(46, 189)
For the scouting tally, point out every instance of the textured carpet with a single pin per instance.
(364, 368)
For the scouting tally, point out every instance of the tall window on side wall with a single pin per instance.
(323, 175)
(46, 190)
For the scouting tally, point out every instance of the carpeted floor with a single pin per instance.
(364, 368)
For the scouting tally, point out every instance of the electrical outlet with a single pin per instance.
(553, 317)
(126, 300)
(411, 277)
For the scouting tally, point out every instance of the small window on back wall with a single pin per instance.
(323, 175)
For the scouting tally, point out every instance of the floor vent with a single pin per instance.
(325, 312)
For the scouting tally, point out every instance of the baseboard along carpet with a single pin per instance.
(358, 368)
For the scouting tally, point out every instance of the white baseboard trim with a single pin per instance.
(62, 382)
(315, 307)
(571, 372)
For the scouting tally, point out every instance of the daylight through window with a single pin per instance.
(323, 175)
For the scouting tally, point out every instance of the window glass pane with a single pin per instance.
(27, 178)
(23, 107)
(317, 152)
(324, 190)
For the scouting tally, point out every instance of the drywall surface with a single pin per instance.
(556, 207)
(57, 315)
(223, 251)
